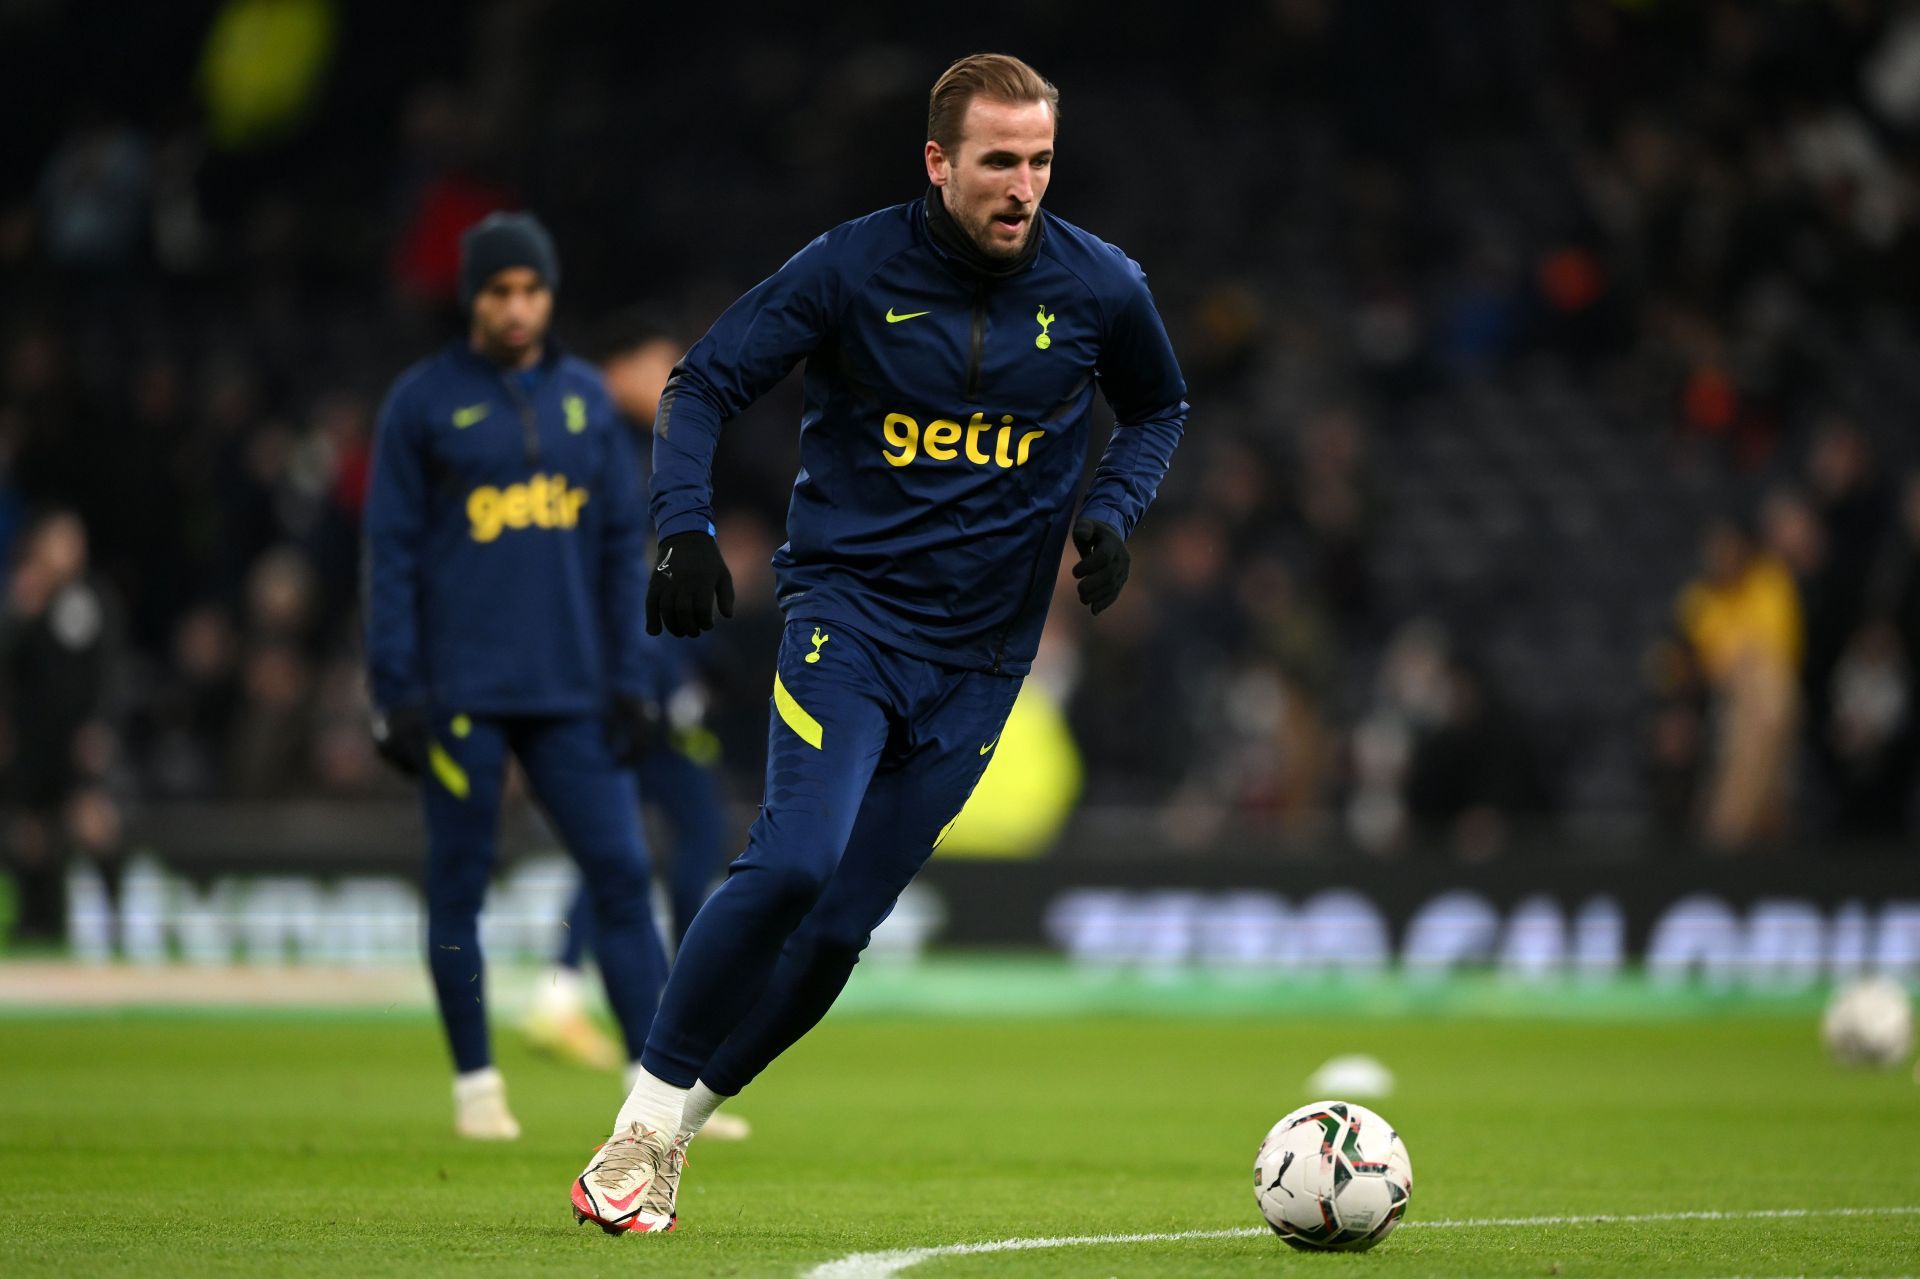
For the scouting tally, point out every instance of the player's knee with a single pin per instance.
(620, 896)
(834, 940)
(794, 885)
(454, 905)
(836, 952)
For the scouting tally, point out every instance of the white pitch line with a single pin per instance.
(882, 1265)
(885, 1265)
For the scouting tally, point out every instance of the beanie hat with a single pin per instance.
(502, 240)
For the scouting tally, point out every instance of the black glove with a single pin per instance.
(402, 738)
(1103, 565)
(634, 726)
(687, 578)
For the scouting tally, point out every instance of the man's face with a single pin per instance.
(636, 378)
(1726, 555)
(510, 315)
(996, 174)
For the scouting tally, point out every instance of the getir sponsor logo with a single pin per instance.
(980, 441)
(545, 501)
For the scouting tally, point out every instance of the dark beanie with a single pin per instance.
(502, 240)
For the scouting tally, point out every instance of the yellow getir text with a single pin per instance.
(545, 501)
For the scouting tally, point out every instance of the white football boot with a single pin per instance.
(480, 1108)
(631, 1183)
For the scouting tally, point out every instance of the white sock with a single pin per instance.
(652, 1103)
(468, 1084)
(562, 994)
(702, 1101)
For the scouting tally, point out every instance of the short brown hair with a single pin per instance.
(1000, 77)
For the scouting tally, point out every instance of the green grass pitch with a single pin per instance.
(314, 1144)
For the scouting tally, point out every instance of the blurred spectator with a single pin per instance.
(1853, 510)
(1125, 707)
(342, 760)
(93, 197)
(1271, 753)
(1337, 508)
(1473, 772)
(338, 463)
(189, 714)
(1441, 760)
(1797, 537)
(1891, 76)
(1875, 740)
(1675, 745)
(1149, 702)
(1742, 619)
(270, 749)
(59, 647)
(1409, 700)
(636, 352)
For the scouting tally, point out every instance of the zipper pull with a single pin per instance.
(529, 419)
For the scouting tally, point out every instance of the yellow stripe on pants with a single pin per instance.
(451, 775)
(795, 715)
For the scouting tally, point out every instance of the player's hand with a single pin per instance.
(1103, 565)
(634, 726)
(687, 579)
(402, 738)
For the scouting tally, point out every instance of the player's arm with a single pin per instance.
(1141, 379)
(749, 349)
(396, 523)
(778, 323)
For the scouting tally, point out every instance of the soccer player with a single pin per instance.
(952, 347)
(505, 571)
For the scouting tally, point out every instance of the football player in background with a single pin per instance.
(505, 572)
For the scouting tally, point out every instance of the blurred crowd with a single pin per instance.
(1787, 685)
(1392, 241)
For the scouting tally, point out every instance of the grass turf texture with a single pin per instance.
(320, 1144)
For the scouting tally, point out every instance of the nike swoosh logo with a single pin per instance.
(464, 418)
(626, 1201)
(911, 315)
(990, 745)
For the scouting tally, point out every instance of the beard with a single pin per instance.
(497, 346)
(979, 228)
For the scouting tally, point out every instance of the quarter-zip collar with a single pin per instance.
(958, 247)
(509, 381)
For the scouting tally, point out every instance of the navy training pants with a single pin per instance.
(871, 754)
(591, 802)
(689, 796)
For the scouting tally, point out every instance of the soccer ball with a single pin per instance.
(1869, 1023)
(1332, 1176)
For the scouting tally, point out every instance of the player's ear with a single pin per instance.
(937, 164)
